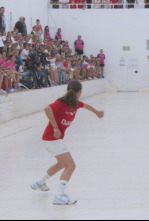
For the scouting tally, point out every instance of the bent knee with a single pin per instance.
(72, 166)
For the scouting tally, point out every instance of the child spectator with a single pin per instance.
(25, 53)
(39, 30)
(54, 71)
(34, 33)
(102, 62)
(59, 34)
(47, 33)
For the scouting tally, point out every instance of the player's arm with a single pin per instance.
(100, 114)
(50, 116)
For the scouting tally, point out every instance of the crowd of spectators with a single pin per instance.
(96, 4)
(37, 60)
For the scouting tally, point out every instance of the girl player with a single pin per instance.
(61, 114)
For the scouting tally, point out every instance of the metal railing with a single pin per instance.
(74, 6)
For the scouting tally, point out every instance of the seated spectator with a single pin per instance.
(81, 4)
(131, 3)
(105, 4)
(10, 71)
(97, 4)
(19, 62)
(55, 4)
(1, 81)
(89, 3)
(120, 4)
(62, 71)
(73, 4)
(25, 53)
(146, 3)
(54, 72)
(114, 3)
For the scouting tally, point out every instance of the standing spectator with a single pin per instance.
(79, 46)
(39, 30)
(102, 62)
(47, 33)
(24, 27)
(59, 34)
(2, 20)
(33, 33)
(1, 43)
(19, 25)
(131, 3)
(120, 4)
(146, 3)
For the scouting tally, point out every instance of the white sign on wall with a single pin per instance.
(133, 63)
(122, 62)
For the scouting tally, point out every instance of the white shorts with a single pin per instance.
(55, 148)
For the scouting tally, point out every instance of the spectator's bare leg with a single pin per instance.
(1, 80)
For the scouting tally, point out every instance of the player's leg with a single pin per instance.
(61, 198)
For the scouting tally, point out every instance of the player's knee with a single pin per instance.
(73, 166)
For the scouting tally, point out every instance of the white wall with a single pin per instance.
(110, 30)
(31, 9)
(17, 105)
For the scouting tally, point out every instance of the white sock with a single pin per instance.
(44, 179)
(62, 188)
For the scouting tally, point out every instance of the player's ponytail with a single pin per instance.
(71, 97)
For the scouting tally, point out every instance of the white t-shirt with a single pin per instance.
(24, 54)
(13, 40)
(52, 61)
(54, 67)
(1, 42)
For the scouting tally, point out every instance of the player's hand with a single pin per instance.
(100, 114)
(57, 133)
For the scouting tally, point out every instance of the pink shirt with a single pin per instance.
(102, 58)
(39, 28)
(59, 35)
(10, 64)
(79, 44)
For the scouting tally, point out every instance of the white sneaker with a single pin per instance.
(64, 200)
(2, 92)
(36, 186)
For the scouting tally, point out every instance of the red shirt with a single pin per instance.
(80, 3)
(73, 2)
(64, 117)
(65, 64)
